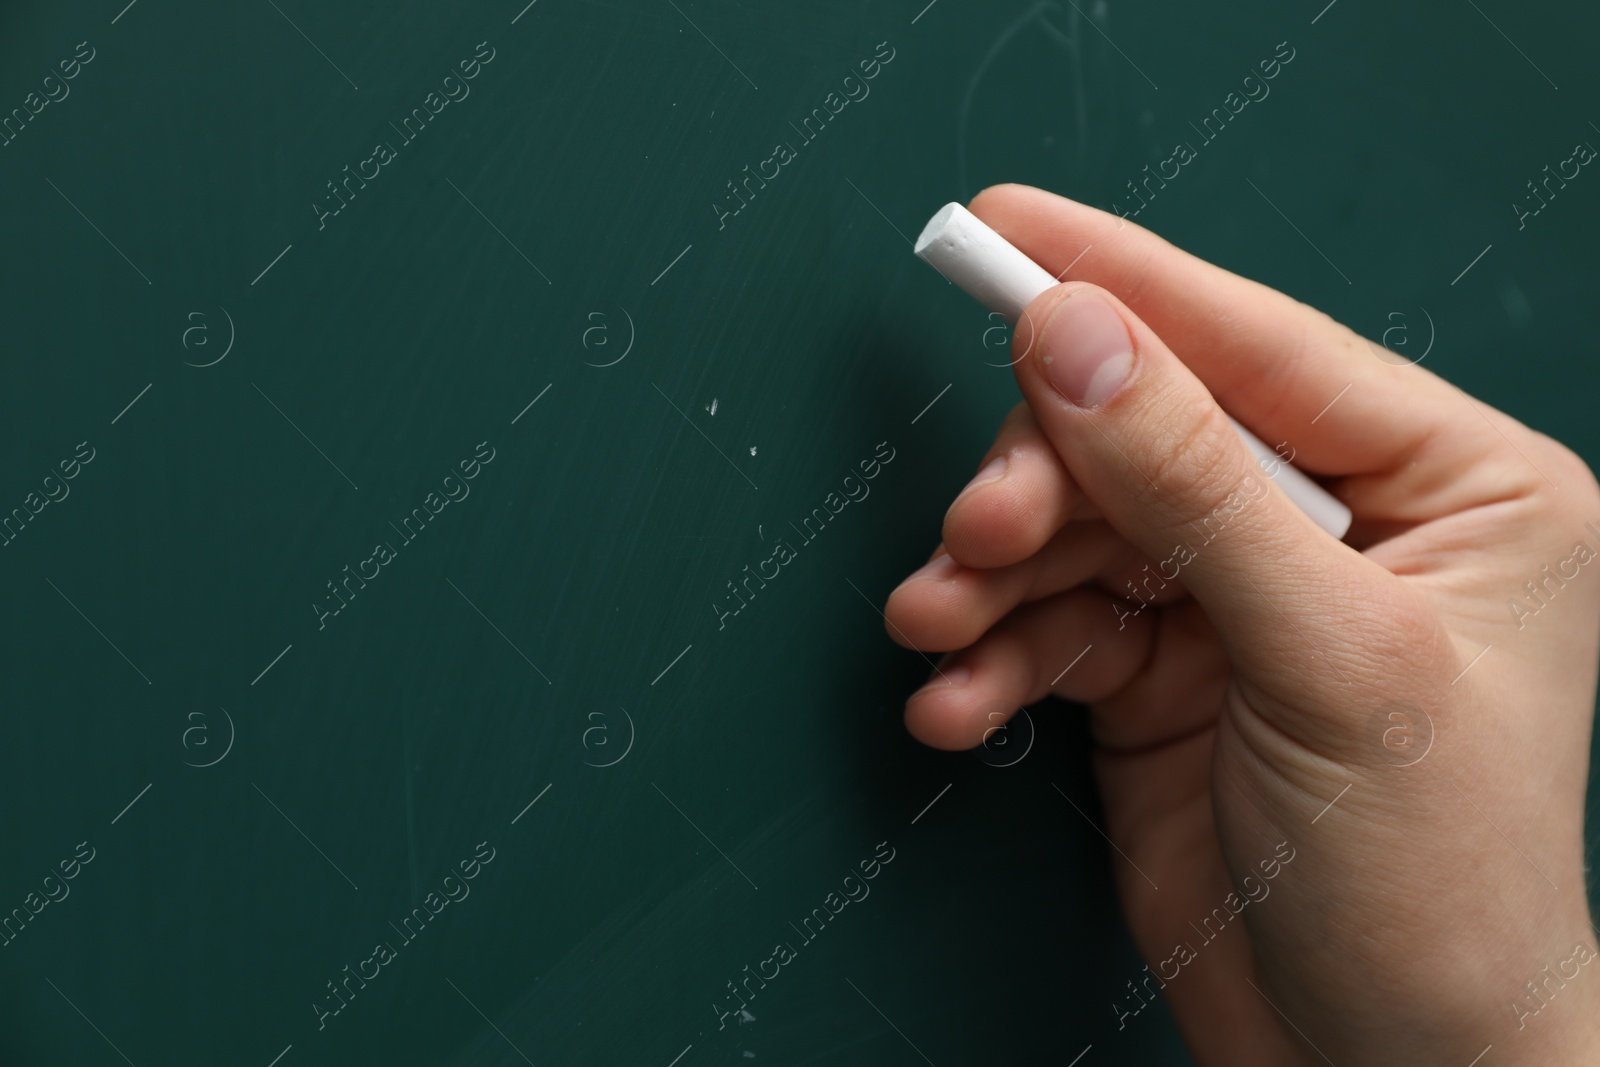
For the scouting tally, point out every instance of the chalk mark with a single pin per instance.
(702, 433)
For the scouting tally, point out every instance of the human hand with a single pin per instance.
(1372, 722)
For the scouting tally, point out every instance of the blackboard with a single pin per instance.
(426, 373)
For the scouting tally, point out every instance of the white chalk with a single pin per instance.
(966, 251)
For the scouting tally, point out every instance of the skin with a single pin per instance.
(1282, 670)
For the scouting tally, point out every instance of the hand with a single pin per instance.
(1366, 829)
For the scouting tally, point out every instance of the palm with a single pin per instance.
(1156, 784)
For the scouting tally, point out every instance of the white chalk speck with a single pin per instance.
(752, 450)
(713, 408)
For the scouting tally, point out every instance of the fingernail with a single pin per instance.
(992, 471)
(1087, 350)
(940, 566)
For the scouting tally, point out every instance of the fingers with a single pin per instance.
(1144, 440)
(1272, 362)
(946, 606)
(1019, 498)
(1024, 657)
(1179, 692)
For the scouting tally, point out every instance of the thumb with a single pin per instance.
(1160, 459)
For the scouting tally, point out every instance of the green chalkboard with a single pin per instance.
(393, 392)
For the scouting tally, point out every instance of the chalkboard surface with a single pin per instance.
(427, 373)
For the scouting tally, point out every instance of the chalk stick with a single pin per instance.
(958, 245)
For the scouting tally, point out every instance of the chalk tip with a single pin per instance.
(936, 226)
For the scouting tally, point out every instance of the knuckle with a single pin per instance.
(1579, 489)
(1192, 465)
(1404, 637)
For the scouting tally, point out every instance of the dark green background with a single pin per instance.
(410, 329)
